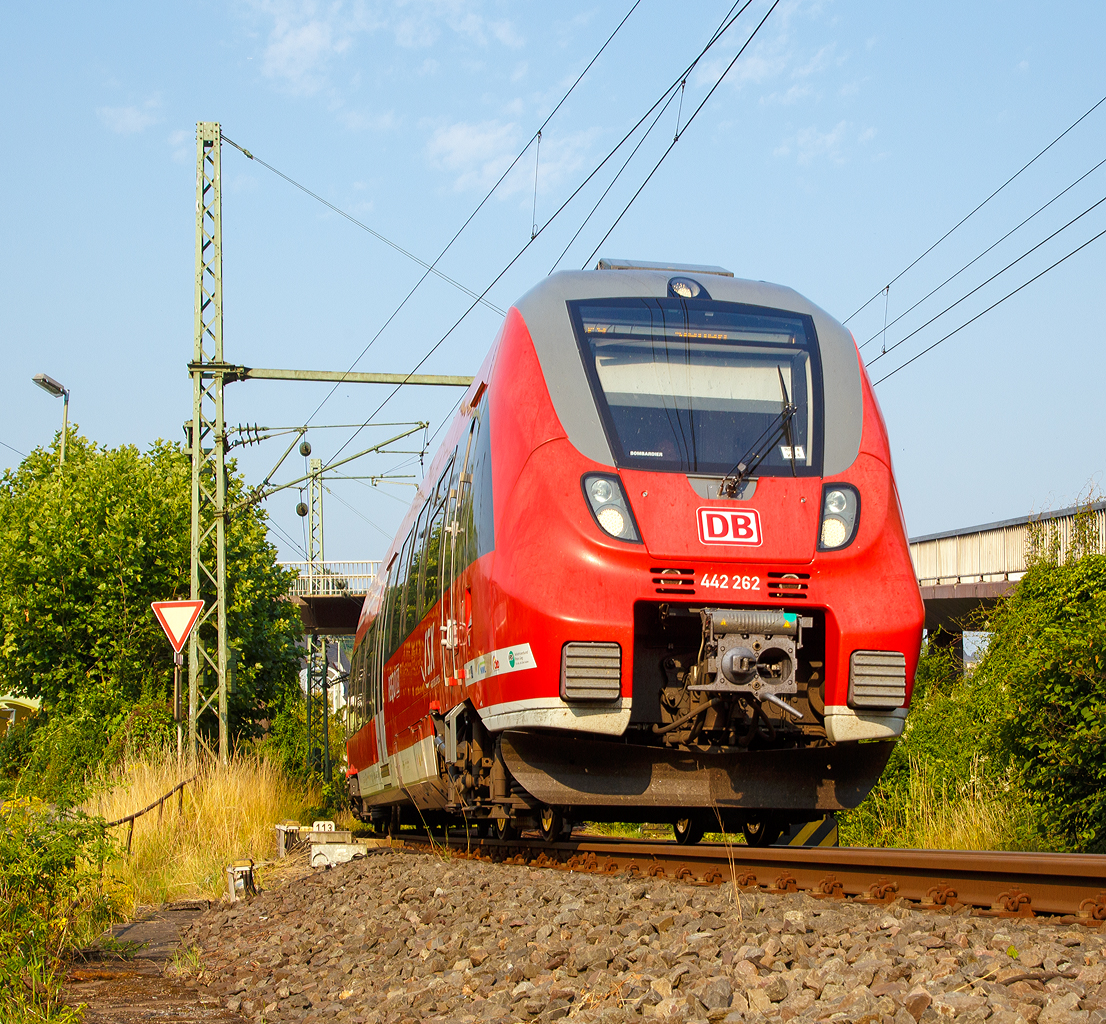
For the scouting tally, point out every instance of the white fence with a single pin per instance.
(996, 552)
(332, 579)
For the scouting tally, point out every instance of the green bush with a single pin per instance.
(951, 782)
(1048, 657)
(51, 901)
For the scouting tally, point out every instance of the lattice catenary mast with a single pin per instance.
(209, 656)
(207, 648)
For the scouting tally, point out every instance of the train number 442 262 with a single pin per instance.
(723, 581)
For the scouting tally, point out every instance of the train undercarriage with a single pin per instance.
(726, 734)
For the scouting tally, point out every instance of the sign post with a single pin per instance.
(178, 619)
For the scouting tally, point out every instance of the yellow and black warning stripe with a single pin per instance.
(821, 832)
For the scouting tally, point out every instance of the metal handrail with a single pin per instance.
(158, 803)
(331, 579)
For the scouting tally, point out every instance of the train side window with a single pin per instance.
(367, 705)
(432, 565)
(362, 678)
(411, 601)
(476, 535)
(449, 555)
(395, 599)
(430, 579)
(352, 695)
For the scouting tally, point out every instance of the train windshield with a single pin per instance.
(692, 385)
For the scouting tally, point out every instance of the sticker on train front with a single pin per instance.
(729, 526)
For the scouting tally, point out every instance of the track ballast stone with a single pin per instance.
(401, 936)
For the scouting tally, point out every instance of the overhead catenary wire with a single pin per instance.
(967, 295)
(479, 206)
(618, 174)
(695, 114)
(973, 212)
(728, 20)
(11, 449)
(989, 248)
(287, 536)
(357, 512)
(993, 305)
(429, 267)
(666, 97)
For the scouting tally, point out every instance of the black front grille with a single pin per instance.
(674, 581)
(788, 585)
(591, 671)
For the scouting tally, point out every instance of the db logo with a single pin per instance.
(725, 526)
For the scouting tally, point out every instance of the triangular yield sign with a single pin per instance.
(177, 618)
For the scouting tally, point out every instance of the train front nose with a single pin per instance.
(778, 524)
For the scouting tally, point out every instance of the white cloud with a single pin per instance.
(867, 135)
(359, 121)
(306, 37)
(130, 120)
(819, 62)
(505, 32)
(477, 154)
(182, 143)
(809, 144)
(792, 95)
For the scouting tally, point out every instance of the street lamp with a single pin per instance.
(52, 387)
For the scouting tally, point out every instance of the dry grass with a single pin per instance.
(976, 813)
(228, 814)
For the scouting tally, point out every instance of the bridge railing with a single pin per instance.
(332, 579)
(998, 551)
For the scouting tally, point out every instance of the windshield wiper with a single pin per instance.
(779, 426)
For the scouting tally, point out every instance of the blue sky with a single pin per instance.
(845, 141)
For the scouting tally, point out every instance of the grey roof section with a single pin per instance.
(546, 314)
(670, 268)
(1020, 521)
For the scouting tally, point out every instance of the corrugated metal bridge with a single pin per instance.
(961, 572)
(329, 595)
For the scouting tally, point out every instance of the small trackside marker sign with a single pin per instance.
(729, 526)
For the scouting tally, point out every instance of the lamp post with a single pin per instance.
(52, 387)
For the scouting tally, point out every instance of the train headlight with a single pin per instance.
(834, 532)
(600, 490)
(609, 506)
(840, 516)
(613, 521)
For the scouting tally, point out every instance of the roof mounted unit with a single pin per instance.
(681, 268)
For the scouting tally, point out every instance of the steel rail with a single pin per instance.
(1006, 884)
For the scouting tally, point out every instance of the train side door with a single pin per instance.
(435, 666)
(379, 657)
(456, 608)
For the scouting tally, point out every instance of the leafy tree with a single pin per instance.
(83, 552)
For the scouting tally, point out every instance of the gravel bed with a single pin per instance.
(401, 936)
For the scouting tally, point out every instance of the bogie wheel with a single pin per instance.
(761, 833)
(688, 830)
(552, 824)
(505, 829)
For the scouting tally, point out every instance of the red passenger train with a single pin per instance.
(658, 570)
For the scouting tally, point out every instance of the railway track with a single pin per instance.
(1072, 886)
